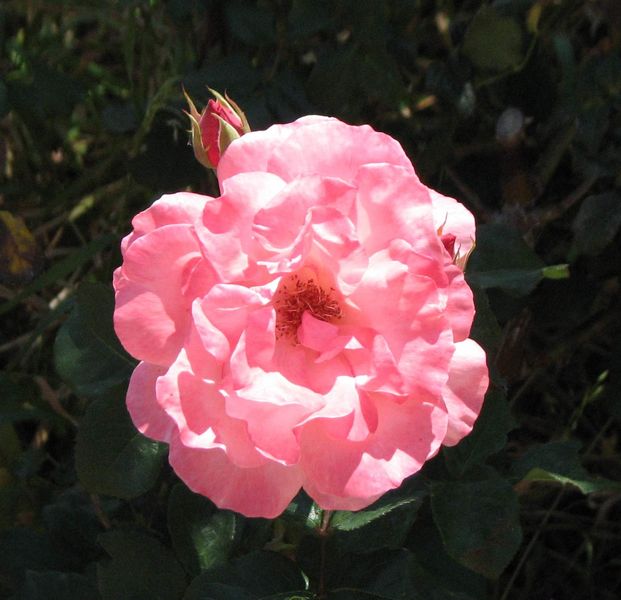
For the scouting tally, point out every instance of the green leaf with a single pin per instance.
(140, 568)
(488, 436)
(52, 585)
(559, 462)
(560, 271)
(87, 353)
(260, 574)
(493, 42)
(111, 456)
(427, 546)
(393, 576)
(503, 260)
(303, 511)
(383, 525)
(202, 536)
(478, 522)
(596, 224)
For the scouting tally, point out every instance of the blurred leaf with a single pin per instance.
(119, 117)
(52, 585)
(140, 568)
(10, 447)
(87, 352)
(233, 73)
(493, 42)
(73, 526)
(308, 17)
(448, 81)
(488, 436)
(249, 23)
(60, 270)
(287, 99)
(22, 550)
(385, 524)
(202, 536)
(200, 589)
(332, 84)
(559, 462)
(20, 258)
(485, 328)
(111, 456)
(479, 523)
(596, 224)
(18, 396)
(170, 170)
(4, 99)
(560, 457)
(258, 574)
(45, 93)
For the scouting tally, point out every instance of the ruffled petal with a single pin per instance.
(467, 383)
(262, 491)
(155, 273)
(147, 415)
(406, 436)
(451, 217)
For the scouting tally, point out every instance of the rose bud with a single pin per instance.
(220, 122)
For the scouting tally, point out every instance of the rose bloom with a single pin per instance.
(308, 328)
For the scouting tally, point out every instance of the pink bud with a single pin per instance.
(220, 123)
(448, 240)
(211, 127)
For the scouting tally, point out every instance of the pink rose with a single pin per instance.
(308, 328)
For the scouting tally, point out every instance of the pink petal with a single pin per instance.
(252, 151)
(460, 304)
(263, 491)
(197, 407)
(394, 204)
(226, 232)
(170, 209)
(334, 149)
(467, 383)
(147, 415)
(453, 218)
(152, 313)
(406, 436)
(410, 318)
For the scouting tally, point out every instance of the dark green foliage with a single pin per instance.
(510, 106)
(111, 456)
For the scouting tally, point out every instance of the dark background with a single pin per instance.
(510, 106)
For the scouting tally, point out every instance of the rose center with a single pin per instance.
(299, 294)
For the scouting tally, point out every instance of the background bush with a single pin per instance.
(512, 106)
